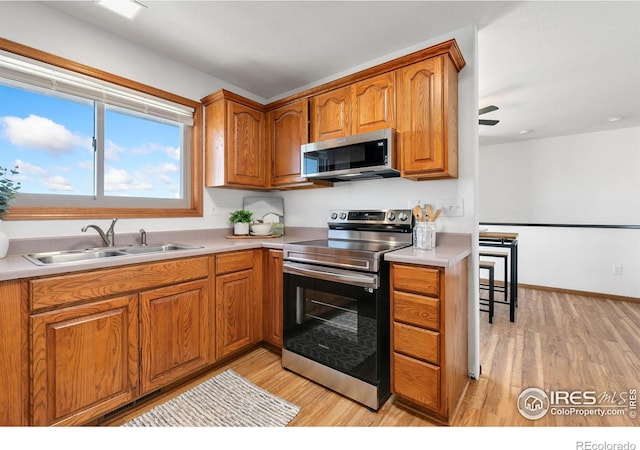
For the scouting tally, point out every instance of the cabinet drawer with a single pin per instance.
(418, 279)
(234, 262)
(416, 310)
(416, 380)
(417, 342)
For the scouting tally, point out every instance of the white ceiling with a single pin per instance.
(554, 68)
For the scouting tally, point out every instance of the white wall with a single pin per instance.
(61, 35)
(591, 178)
(56, 33)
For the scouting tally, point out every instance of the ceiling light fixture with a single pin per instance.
(614, 119)
(525, 131)
(126, 8)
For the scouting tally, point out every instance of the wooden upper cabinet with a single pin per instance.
(373, 104)
(331, 115)
(427, 124)
(364, 106)
(287, 130)
(234, 142)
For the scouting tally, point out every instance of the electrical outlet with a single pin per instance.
(451, 207)
(215, 210)
(616, 269)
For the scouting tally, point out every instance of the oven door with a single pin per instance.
(338, 318)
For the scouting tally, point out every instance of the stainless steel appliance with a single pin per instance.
(336, 303)
(361, 156)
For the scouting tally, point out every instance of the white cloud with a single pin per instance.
(173, 152)
(112, 151)
(41, 133)
(121, 180)
(26, 169)
(87, 164)
(58, 183)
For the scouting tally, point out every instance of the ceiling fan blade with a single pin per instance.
(487, 109)
(488, 122)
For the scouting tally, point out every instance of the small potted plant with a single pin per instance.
(8, 189)
(241, 220)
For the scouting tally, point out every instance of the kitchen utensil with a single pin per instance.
(429, 210)
(435, 216)
(418, 214)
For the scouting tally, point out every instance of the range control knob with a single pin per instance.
(391, 217)
(343, 215)
(403, 217)
(334, 216)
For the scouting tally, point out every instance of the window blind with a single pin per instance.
(42, 75)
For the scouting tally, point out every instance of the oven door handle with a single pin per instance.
(329, 274)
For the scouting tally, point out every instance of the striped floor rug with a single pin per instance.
(226, 400)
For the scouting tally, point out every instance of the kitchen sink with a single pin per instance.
(138, 250)
(90, 254)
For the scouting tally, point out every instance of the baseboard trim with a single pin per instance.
(620, 298)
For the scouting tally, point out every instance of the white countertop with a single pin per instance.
(441, 255)
(449, 251)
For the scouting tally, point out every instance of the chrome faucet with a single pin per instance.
(108, 237)
(143, 237)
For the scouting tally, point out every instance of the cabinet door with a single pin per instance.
(272, 310)
(14, 362)
(84, 361)
(331, 115)
(245, 156)
(288, 130)
(234, 311)
(427, 119)
(374, 104)
(175, 336)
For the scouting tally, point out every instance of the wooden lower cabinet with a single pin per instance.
(101, 339)
(14, 349)
(76, 346)
(273, 298)
(238, 301)
(175, 337)
(429, 356)
(84, 360)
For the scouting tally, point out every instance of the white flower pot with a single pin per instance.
(240, 228)
(4, 242)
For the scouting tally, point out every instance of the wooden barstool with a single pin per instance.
(490, 266)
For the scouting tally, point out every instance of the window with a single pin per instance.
(91, 147)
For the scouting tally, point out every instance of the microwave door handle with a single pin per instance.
(368, 281)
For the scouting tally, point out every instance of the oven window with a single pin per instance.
(333, 324)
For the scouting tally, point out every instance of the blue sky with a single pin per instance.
(49, 139)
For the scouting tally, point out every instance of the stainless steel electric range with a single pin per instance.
(336, 303)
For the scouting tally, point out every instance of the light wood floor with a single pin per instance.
(559, 341)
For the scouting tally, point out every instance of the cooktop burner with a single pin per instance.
(355, 239)
(365, 246)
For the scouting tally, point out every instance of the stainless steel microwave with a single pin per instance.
(361, 156)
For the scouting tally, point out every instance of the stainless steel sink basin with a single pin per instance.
(70, 256)
(156, 248)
